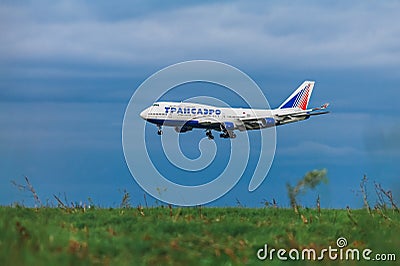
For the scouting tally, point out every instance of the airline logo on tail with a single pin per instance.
(300, 98)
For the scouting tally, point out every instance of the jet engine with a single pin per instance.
(183, 129)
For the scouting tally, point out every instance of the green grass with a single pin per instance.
(184, 236)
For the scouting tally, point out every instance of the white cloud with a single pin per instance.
(296, 35)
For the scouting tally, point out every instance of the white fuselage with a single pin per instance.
(193, 115)
(185, 116)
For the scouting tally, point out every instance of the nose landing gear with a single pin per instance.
(159, 132)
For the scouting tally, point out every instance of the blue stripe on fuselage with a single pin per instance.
(179, 123)
(168, 122)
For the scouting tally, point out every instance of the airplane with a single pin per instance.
(186, 116)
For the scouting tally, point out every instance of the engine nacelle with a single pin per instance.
(229, 125)
(183, 129)
(270, 122)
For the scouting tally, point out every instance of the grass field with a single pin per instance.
(186, 236)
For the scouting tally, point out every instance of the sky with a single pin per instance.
(69, 68)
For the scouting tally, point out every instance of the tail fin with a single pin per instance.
(300, 97)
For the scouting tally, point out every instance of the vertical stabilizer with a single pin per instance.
(300, 97)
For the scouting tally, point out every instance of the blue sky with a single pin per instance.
(69, 68)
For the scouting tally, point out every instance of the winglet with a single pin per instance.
(320, 110)
(324, 106)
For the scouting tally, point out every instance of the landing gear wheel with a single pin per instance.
(159, 132)
(224, 135)
(227, 135)
(209, 134)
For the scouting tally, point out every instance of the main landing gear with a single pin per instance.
(209, 134)
(227, 135)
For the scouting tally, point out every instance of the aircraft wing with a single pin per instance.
(255, 123)
(279, 118)
(206, 121)
(315, 111)
(273, 119)
(297, 115)
(241, 124)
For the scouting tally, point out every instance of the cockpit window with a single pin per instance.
(156, 104)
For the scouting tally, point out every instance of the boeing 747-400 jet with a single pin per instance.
(185, 116)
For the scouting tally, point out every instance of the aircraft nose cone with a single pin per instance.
(143, 114)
